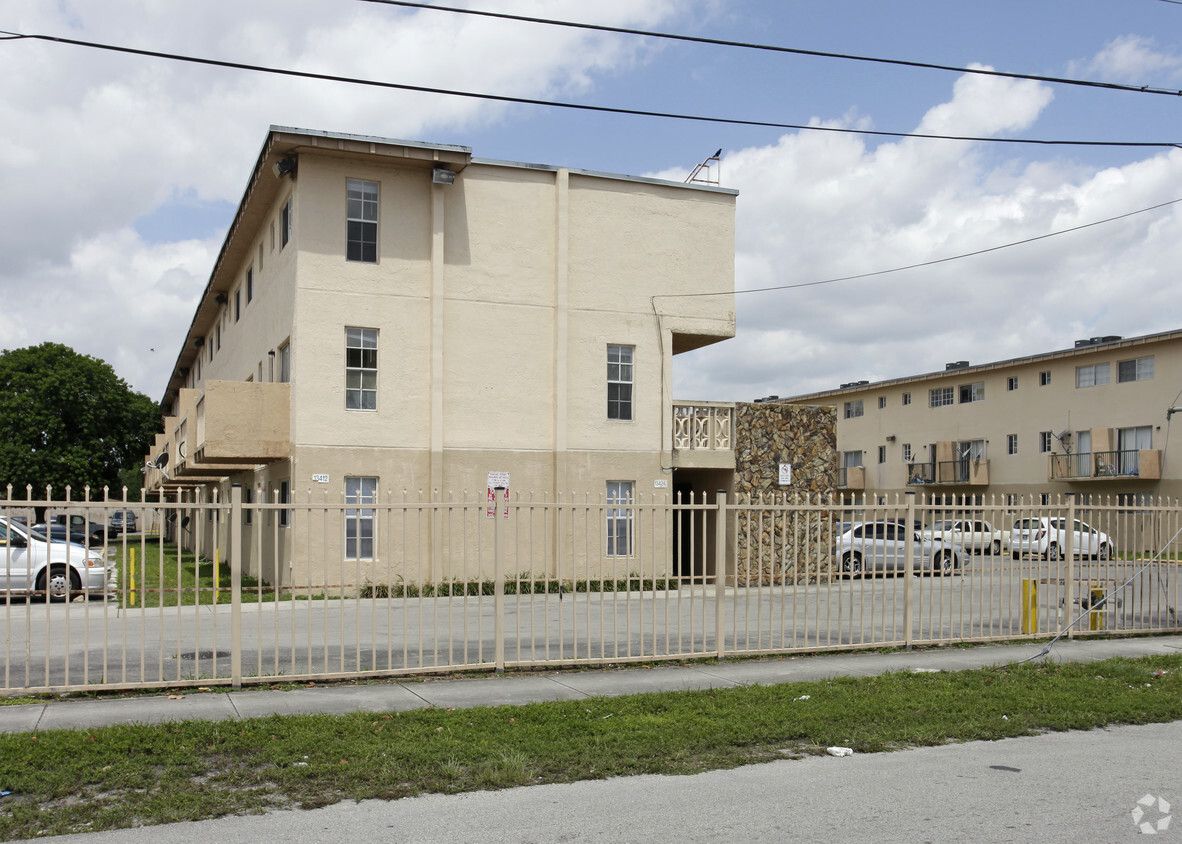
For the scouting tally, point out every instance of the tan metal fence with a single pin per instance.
(237, 591)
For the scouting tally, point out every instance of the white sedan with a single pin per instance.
(975, 536)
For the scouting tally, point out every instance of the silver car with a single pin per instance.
(29, 564)
(1047, 537)
(881, 546)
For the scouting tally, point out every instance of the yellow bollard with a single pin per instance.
(215, 575)
(1029, 605)
(133, 577)
(1096, 616)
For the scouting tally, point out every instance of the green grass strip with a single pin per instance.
(117, 777)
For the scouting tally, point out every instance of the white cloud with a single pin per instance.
(816, 206)
(95, 140)
(1133, 59)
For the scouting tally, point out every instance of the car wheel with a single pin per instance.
(1105, 552)
(60, 584)
(944, 562)
(1053, 552)
(996, 549)
(851, 564)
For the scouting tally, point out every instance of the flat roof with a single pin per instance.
(1120, 343)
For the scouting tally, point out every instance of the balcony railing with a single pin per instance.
(1104, 465)
(974, 471)
(703, 426)
(851, 477)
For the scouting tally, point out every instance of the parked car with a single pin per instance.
(30, 564)
(975, 536)
(1047, 537)
(122, 521)
(79, 531)
(881, 546)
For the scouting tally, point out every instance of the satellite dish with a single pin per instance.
(161, 461)
(1064, 433)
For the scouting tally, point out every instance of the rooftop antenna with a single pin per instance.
(708, 172)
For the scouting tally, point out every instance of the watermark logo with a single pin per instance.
(1151, 815)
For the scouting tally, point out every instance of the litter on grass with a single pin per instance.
(840, 751)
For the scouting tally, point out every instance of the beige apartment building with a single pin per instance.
(1092, 419)
(389, 316)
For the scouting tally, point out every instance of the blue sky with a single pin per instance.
(120, 173)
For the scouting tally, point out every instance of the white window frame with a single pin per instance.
(1044, 378)
(361, 221)
(1093, 375)
(283, 374)
(1045, 442)
(360, 525)
(854, 409)
(906, 452)
(907, 398)
(361, 369)
(619, 520)
(941, 397)
(881, 402)
(621, 370)
(1012, 383)
(971, 392)
(1011, 443)
(882, 454)
(1142, 370)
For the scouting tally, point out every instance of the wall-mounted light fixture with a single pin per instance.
(284, 167)
(443, 176)
(221, 298)
(199, 342)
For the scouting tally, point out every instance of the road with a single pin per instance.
(85, 643)
(1060, 787)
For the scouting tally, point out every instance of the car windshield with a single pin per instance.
(945, 525)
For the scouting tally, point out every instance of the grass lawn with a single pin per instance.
(117, 777)
(161, 576)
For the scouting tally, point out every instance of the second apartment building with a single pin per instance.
(1091, 419)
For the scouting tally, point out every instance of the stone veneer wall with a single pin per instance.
(792, 544)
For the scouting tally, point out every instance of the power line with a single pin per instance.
(925, 263)
(620, 30)
(351, 80)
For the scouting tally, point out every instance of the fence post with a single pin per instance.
(909, 573)
(1068, 613)
(499, 581)
(720, 575)
(235, 554)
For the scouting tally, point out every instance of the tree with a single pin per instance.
(68, 419)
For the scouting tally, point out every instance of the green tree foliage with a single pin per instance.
(68, 419)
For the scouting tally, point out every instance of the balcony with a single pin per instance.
(851, 478)
(1143, 464)
(241, 423)
(964, 472)
(703, 435)
(227, 427)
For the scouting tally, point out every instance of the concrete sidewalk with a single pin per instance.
(494, 690)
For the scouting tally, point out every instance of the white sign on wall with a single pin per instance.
(320, 479)
(497, 481)
(660, 484)
(785, 474)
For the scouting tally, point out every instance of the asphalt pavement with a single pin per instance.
(535, 687)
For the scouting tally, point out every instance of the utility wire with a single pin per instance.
(923, 263)
(620, 30)
(12, 36)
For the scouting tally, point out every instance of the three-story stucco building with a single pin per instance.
(388, 316)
